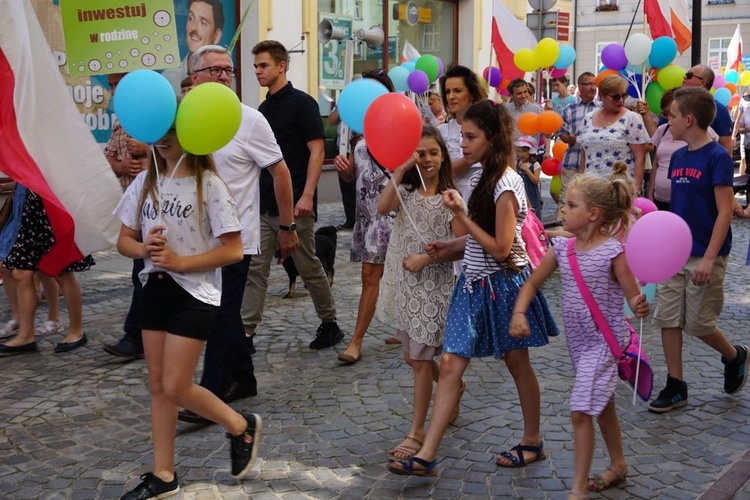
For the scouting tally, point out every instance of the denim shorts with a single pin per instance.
(169, 307)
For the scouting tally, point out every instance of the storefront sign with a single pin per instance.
(332, 54)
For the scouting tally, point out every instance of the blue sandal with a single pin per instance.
(406, 467)
(515, 455)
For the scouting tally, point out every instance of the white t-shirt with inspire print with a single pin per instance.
(185, 233)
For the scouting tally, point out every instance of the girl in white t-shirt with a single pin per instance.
(180, 218)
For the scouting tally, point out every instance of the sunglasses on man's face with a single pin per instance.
(690, 75)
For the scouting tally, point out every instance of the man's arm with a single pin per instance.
(304, 205)
(282, 186)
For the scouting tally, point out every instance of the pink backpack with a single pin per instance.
(535, 238)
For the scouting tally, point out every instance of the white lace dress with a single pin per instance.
(417, 303)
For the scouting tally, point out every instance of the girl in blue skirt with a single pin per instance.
(495, 266)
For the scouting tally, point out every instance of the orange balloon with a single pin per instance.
(549, 122)
(732, 87)
(527, 124)
(604, 74)
(559, 149)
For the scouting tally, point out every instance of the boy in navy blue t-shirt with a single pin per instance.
(701, 174)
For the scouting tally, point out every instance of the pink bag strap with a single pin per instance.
(596, 313)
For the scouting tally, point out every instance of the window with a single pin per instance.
(717, 52)
(357, 9)
(430, 38)
(719, 2)
(606, 5)
(599, 48)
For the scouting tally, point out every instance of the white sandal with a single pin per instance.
(48, 327)
(9, 329)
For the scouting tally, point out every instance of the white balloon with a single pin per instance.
(638, 48)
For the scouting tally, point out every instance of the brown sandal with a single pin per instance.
(598, 483)
(407, 451)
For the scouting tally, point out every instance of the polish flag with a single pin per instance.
(734, 50)
(669, 18)
(47, 147)
(509, 35)
(409, 52)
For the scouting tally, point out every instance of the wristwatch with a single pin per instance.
(290, 228)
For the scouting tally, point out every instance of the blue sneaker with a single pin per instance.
(674, 395)
(735, 370)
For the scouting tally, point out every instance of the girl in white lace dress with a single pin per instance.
(415, 292)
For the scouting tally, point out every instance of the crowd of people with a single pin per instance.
(441, 246)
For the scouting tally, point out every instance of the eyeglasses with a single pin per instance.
(216, 71)
(617, 97)
(690, 75)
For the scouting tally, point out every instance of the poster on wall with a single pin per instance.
(196, 22)
(333, 53)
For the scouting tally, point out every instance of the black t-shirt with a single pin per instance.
(295, 120)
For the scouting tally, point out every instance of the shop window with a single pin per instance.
(606, 5)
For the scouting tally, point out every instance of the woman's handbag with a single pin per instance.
(627, 366)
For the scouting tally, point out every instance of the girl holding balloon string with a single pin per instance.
(596, 210)
(415, 291)
(495, 267)
(185, 217)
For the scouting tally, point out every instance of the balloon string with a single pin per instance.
(161, 191)
(406, 212)
(638, 364)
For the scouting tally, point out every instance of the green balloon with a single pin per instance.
(208, 118)
(670, 77)
(555, 185)
(654, 93)
(429, 64)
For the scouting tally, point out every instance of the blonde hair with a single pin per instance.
(612, 198)
(612, 84)
(620, 174)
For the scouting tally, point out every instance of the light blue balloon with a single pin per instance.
(663, 52)
(649, 290)
(145, 105)
(723, 95)
(732, 76)
(566, 57)
(409, 65)
(400, 77)
(355, 99)
(415, 59)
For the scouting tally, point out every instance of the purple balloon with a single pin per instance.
(440, 66)
(613, 56)
(492, 75)
(647, 206)
(658, 246)
(418, 81)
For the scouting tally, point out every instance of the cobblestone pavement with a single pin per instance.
(76, 425)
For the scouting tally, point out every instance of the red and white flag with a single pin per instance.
(509, 35)
(45, 145)
(669, 18)
(734, 50)
(409, 52)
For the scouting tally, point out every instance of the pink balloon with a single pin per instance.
(658, 246)
(719, 82)
(647, 206)
(557, 73)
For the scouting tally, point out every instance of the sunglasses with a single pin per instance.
(690, 75)
(617, 97)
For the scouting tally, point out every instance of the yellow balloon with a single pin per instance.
(546, 52)
(525, 60)
(745, 78)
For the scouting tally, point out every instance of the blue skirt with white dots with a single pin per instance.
(479, 317)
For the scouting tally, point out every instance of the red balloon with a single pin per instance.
(551, 166)
(393, 129)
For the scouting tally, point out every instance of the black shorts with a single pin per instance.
(169, 307)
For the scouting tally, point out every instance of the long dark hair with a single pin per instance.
(445, 175)
(497, 124)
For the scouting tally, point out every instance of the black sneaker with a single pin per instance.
(244, 448)
(328, 334)
(152, 487)
(674, 395)
(124, 348)
(735, 370)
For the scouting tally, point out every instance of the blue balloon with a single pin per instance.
(145, 105)
(399, 76)
(633, 90)
(732, 76)
(649, 290)
(663, 52)
(409, 65)
(355, 99)
(566, 57)
(723, 95)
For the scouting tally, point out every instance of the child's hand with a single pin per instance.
(640, 306)
(413, 160)
(166, 259)
(415, 262)
(453, 201)
(519, 326)
(155, 240)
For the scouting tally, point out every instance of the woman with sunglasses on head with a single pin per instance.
(613, 133)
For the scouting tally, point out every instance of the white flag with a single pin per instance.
(734, 51)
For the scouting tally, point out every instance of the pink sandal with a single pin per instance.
(48, 327)
(9, 330)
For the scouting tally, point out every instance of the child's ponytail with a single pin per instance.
(613, 198)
